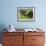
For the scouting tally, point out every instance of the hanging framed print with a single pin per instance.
(26, 14)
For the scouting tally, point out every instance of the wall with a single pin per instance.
(9, 13)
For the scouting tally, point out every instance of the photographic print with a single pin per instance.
(26, 14)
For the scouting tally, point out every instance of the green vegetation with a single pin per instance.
(25, 17)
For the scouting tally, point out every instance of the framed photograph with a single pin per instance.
(26, 14)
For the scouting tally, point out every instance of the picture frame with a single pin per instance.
(26, 14)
